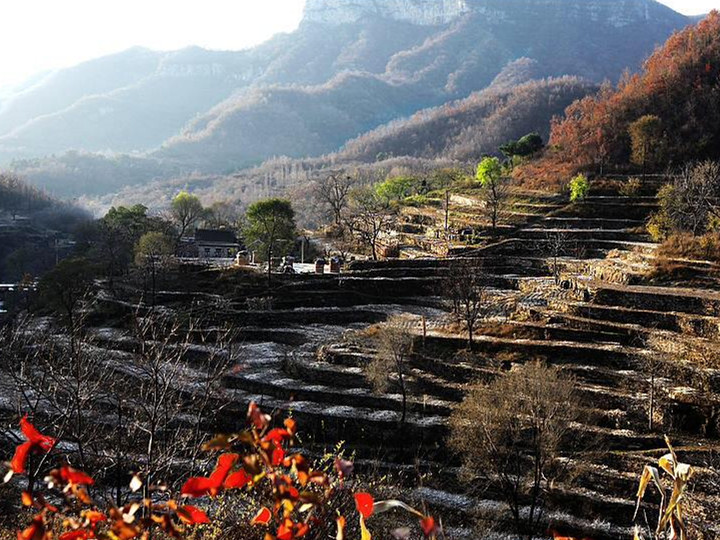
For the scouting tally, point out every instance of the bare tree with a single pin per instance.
(465, 287)
(333, 191)
(148, 405)
(170, 400)
(557, 246)
(67, 384)
(510, 434)
(153, 253)
(388, 366)
(692, 200)
(370, 217)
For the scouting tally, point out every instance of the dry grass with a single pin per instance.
(687, 246)
(668, 260)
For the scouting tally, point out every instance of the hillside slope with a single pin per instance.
(466, 129)
(679, 84)
(596, 40)
(449, 135)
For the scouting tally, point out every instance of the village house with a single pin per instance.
(210, 244)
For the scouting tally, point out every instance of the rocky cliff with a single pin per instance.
(421, 12)
(617, 13)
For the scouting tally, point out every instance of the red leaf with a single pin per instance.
(34, 436)
(262, 517)
(200, 486)
(428, 526)
(193, 515)
(79, 534)
(364, 503)
(197, 487)
(277, 435)
(285, 531)
(237, 480)
(36, 529)
(224, 464)
(19, 460)
(256, 416)
(94, 517)
(277, 456)
(73, 476)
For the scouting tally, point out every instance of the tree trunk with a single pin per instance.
(403, 391)
(153, 285)
(470, 335)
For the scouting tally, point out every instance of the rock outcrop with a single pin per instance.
(617, 13)
(421, 12)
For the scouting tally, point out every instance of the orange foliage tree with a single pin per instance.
(679, 84)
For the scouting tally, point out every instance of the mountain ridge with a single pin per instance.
(309, 92)
(439, 12)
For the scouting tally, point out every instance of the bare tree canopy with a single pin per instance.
(511, 433)
(388, 366)
(370, 217)
(465, 288)
(333, 191)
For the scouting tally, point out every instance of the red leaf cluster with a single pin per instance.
(36, 442)
(261, 455)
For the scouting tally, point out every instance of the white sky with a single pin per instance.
(38, 35)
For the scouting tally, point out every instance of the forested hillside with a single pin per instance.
(667, 113)
(465, 130)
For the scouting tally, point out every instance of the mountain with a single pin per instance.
(446, 136)
(595, 39)
(467, 129)
(350, 67)
(679, 84)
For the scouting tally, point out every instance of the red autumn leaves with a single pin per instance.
(365, 504)
(36, 442)
(301, 495)
(219, 480)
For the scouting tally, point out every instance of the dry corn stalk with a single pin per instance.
(670, 519)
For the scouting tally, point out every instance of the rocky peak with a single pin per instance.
(421, 12)
(617, 13)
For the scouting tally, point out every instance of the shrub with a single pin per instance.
(579, 188)
(396, 189)
(631, 188)
(690, 203)
(289, 497)
(687, 246)
(510, 435)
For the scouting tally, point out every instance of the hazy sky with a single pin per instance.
(38, 35)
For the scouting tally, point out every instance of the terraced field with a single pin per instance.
(595, 322)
